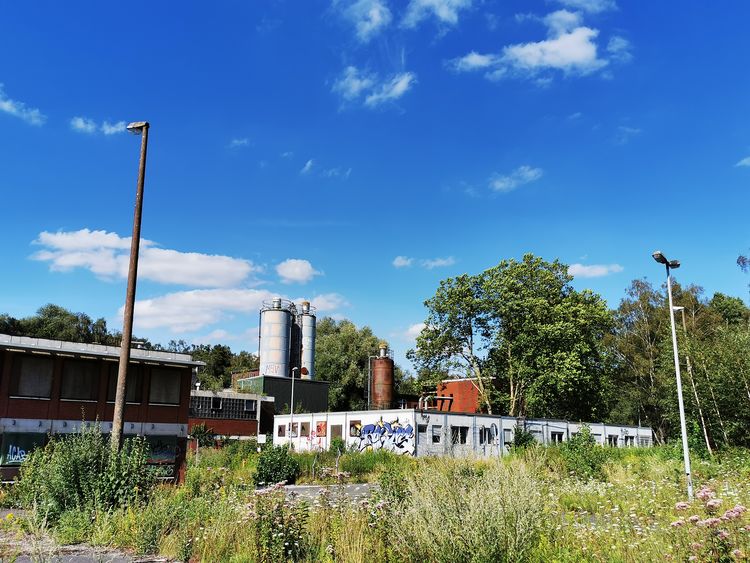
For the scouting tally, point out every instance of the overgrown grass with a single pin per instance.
(575, 503)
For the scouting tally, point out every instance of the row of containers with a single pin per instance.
(421, 433)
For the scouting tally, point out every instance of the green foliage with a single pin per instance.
(57, 323)
(522, 438)
(338, 445)
(80, 472)
(522, 323)
(276, 465)
(583, 456)
(203, 434)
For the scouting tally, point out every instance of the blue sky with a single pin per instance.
(355, 153)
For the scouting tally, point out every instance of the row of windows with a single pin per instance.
(31, 376)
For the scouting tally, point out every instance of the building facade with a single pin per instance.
(421, 433)
(54, 387)
(231, 415)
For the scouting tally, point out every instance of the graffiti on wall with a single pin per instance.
(390, 436)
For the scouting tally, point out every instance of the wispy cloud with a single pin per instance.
(81, 124)
(355, 84)
(590, 6)
(625, 133)
(20, 110)
(106, 255)
(431, 263)
(369, 17)
(570, 48)
(744, 162)
(337, 172)
(238, 143)
(522, 175)
(295, 270)
(444, 11)
(402, 261)
(593, 270)
(620, 49)
(307, 167)
(392, 89)
(413, 331)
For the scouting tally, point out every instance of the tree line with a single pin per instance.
(537, 347)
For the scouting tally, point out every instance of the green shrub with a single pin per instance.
(583, 456)
(203, 434)
(276, 464)
(522, 438)
(81, 472)
(338, 445)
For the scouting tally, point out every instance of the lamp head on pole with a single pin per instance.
(661, 259)
(137, 127)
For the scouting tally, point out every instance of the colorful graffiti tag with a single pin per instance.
(390, 436)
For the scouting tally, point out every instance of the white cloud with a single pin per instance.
(593, 270)
(191, 310)
(89, 126)
(106, 255)
(353, 83)
(625, 133)
(744, 162)
(402, 261)
(307, 167)
(414, 330)
(445, 11)
(327, 302)
(570, 48)
(20, 110)
(83, 125)
(295, 270)
(590, 6)
(369, 17)
(392, 89)
(522, 175)
(620, 49)
(237, 143)
(337, 172)
(431, 263)
(113, 128)
(473, 61)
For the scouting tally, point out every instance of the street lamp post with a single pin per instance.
(670, 265)
(291, 410)
(138, 127)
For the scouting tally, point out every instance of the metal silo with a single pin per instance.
(275, 332)
(307, 322)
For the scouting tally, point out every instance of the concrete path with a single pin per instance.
(353, 492)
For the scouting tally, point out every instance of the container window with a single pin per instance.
(281, 431)
(354, 427)
(612, 440)
(437, 431)
(80, 380)
(320, 429)
(31, 377)
(336, 431)
(250, 406)
(422, 428)
(556, 437)
(459, 434)
(304, 429)
(165, 386)
(216, 403)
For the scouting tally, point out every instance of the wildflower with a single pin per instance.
(705, 494)
(682, 505)
(713, 504)
(694, 518)
(722, 534)
(695, 546)
(738, 553)
(678, 523)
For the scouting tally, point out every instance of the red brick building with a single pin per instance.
(456, 395)
(53, 387)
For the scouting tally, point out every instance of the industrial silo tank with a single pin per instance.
(275, 332)
(308, 341)
(382, 380)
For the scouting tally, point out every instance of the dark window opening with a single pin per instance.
(459, 434)
(165, 386)
(250, 406)
(216, 403)
(336, 431)
(437, 431)
(31, 377)
(132, 383)
(304, 429)
(612, 440)
(422, 428)
(556, 437)
(80, 380)
(281, 431)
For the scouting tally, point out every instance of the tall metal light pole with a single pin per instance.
(670, 265)
(127, 324)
